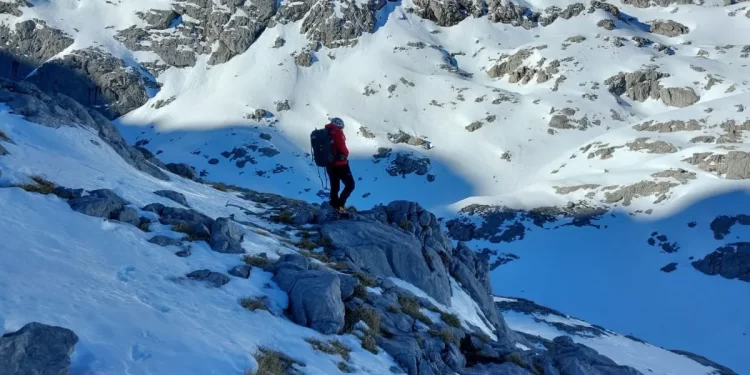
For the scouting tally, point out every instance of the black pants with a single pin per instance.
(338, 174)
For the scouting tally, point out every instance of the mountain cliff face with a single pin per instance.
(564, 153)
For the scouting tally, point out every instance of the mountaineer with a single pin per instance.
(330, 151)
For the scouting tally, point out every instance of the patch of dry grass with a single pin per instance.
(253, 304)
(41, 185)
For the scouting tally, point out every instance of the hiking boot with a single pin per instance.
(342, 210)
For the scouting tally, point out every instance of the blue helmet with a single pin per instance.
(338, 122)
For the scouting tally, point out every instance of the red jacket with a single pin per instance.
(339, 144)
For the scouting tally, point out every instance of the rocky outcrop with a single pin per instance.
(183, 170)
(94, 78)
(471, 270)
(56, 110)
(226, 237)
(210, 278)
(190, 29)
(406, 163)
(173, 195)
(668, 28)
(30, 43)
(518, 71)
(669, 126)
(162, 240)
(678, 97)
(389, 252)
(643, 84)
(722, 225)
(654, 147)
(106, 204)
(37, 349)
(731, 261)
(734, 165)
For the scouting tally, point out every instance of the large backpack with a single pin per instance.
(320, 142)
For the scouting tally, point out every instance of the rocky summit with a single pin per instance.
(538, 188)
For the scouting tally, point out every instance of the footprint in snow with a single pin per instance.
(126, 274)
(156, 306)
(139, 352)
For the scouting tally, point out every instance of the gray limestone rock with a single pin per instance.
(304, 59)
(682, 176)
(211, 278)
(734, 165)
(102, 203)
(606, 24)
(226, 237)
(30, 43)
(183, 170)
(668, 28)
(678, 97)
(37, 349)
(389, 252)
(626, 194)
(95, 78)
(243, 271)
(165, 241)
(407, 163)
(655, 147)
(173, 195)
(315, 297)
(669, 126)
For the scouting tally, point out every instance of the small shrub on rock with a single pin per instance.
(41, 185)
(366, 279)
(333, 347)
(403, 224)
(410, 306)
(451, 319)
(256, 261)
(191, 234)
(369, 344)
(144, 226)
(270, 363)
(315, 255)
(360, 291)
(220, 186)
(445, 334)
(344, 367)
(516, 358)
(4, 137)
(253, 304)
(284, 217)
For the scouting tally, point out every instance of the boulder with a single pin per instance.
(668, 28)
(128, 215)
(243, 271)
(100, 203)
(213, 279)
(182, 216)
(164, 241)
(314, 299)
(173, 195)
(183, 170)
(389, 252)
(37, 349)
(226, 237)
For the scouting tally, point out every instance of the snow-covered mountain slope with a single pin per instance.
(140, 299)
(634, 107)
(539, 322)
